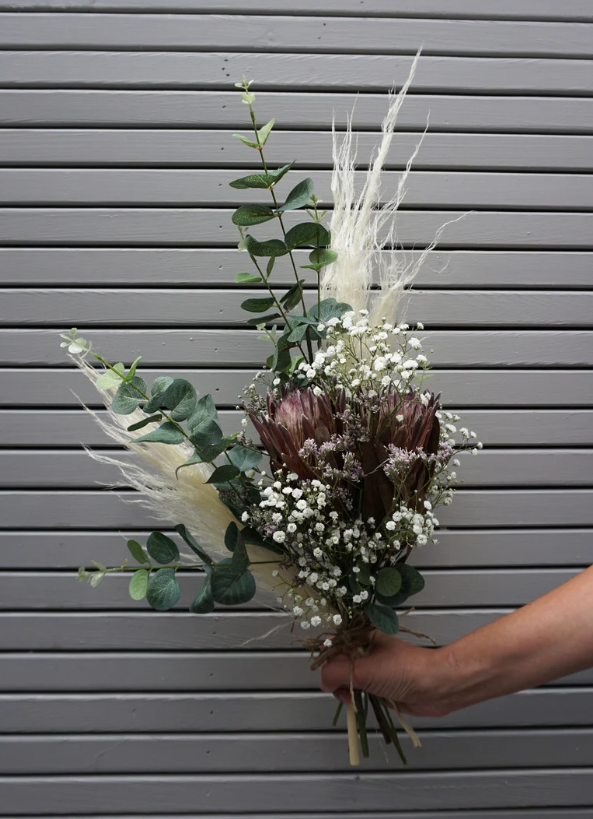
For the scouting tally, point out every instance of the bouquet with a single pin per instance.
(353, 454)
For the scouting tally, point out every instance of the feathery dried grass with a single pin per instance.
(360, 228)
(184, 499)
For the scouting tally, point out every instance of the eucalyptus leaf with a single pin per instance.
(280, 172)
(248, 215)
(389, 581)
(270, 266)
(264, 320)
(223, 473)
(254, 180)
(231, 536)
(137, 552)
(161, 548)
(180, 397)
(247, 278)
(383, 618)
(111, 379)
(258, 305)
(244, 458)
(246, 141)
(144, 422)
(203, 602)
(412, 580)
(128, 396)
(322, 256)
(158, 387)
(232, 585)
(133, 368)
(138, 584)
(307, 233)
(205, 409)
(182, 531)
(329, 308)
(298, 196)
(271, 247)
(163, 590)
(264, 132)
(167, 433)
(293, 296)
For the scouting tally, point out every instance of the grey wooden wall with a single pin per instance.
(115, 150)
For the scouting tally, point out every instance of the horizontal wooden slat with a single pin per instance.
(58, 469)
(179, 307)
(462, 388)
(280, 711)
(493, 508)
(241, 348)
(181, 631)
(459, 549)
(210, 188)
(38, 147)
(183, 753)
(183, 266)
(492, 9)
(197, 227)
(294, 34)
(495, 427)
(112, 69)
(465, 587)
(340, 792)
(182, 109)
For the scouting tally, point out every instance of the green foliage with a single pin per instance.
(167, 433)
(247, 278)
(293, 296)
(223, 474)
(258, 305)
(203, 602)
(152, 419)
(181, 530)
(322, 256)
(129, 396)
(412, 583)
(383, 618)
(307, 233)
(159, 385)
(232, 583)
(298, 196)
(264, 132)
(328, 308)
(248, 215)
(179, 397)
(264, 320)
(203, 424)
(163, 590)
(244, 458)
(161, 548)
(137, 552)
(271, 247)
(110, 379)
(389, 581)
(139, 584)
(232, 536)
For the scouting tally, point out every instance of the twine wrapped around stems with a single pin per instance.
(354, 639)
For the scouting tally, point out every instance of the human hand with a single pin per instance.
(394, 670)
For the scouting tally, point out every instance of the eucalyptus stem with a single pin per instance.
(271, 189)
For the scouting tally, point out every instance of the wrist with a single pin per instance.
(457, 679)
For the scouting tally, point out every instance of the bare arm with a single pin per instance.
(549, 638)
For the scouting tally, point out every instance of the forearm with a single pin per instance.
(547, 639)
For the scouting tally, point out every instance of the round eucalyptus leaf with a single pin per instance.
(128, 396)
(139, 584)
(162, 548)
(232, 585)
(203, 602)
(389, 581)
(137, 552)
(163, 590)
(384, 619)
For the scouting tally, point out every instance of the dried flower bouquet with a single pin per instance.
(354, 453)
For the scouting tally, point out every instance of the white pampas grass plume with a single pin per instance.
(184, 499)
(360, 229)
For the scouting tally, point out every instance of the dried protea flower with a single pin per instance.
(296, 417)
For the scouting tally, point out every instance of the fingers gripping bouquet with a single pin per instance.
(354, 453)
